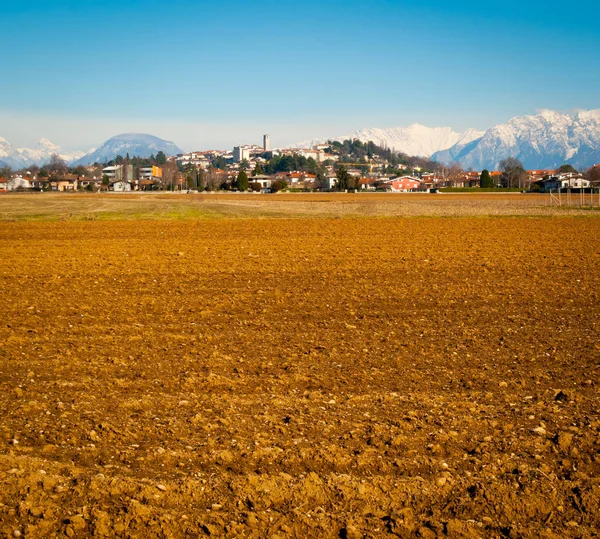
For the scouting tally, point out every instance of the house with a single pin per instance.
(90, 184)
(404, 184)
(537, 175)
(18, 183)
(118, 172)
(367, 184)
(67, 182)
(3, 182)
(120, 186)
(566, 181)
(295, 177)
(473, 179)
(145, 185)
(263, 180)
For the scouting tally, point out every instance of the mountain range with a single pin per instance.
(26, 157)
(416, 139)
(134, 144)
(543, 141)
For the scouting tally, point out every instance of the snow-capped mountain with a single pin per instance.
(542, 141)
(134, 144)
(416, 139)
(44, 149)
(26, 157)
(9, 155)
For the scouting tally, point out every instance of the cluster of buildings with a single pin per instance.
(221, 167)
(113, 178)
(121, 178)
(253, 154)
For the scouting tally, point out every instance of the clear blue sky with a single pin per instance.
(221, 73)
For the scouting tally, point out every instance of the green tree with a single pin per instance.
(485, 179)
(257, 170)
(342, 178)
(219, 162)
(565, 169)
(241, 182)
(161, 158)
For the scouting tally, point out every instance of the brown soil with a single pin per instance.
(300, 378)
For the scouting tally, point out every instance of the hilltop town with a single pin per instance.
(350, 165)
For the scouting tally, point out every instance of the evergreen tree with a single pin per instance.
(201, 181)
(161, 158)
(241, 181)
(257, 170)
(486, 180)
(564, 169)
(342, 178)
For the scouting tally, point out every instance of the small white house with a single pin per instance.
(262, 179)
(16, 183)
(120, 186)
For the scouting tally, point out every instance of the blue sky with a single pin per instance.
(215, 74)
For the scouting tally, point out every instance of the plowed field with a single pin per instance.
(300, 378)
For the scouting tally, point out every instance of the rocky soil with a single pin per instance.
(300, 378)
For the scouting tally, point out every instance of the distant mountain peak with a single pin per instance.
(134, 144)
(26, 157)
(544, 140)
(416, 139)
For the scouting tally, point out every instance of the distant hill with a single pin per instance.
(134, 144)
(414, 140)
(541, 141)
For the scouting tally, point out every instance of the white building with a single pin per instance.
(241, 152)
(118, 172)
(16, 183)
(120, 186)
(263, 180)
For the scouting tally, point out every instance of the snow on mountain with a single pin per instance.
(542, 141)
(134, 144)
(26, 157)
(469, 139)
(44, 150)
(9, 155)
(416, 139)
